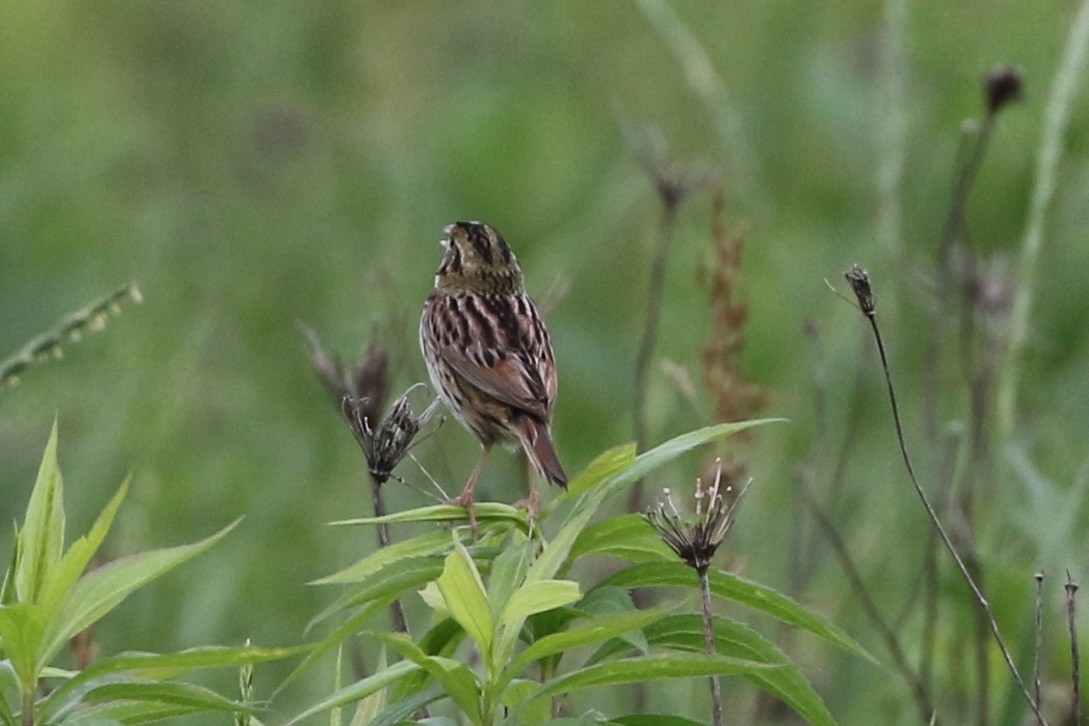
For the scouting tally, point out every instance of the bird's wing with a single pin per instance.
(499, 345)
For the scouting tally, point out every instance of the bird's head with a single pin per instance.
(476, 259)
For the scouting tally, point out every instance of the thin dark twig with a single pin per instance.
(654, 313)
(709, 644)
(1039, 638)
(1075, 658)
(860, 283)
(892, 642)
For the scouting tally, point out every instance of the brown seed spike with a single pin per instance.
(1001, 87)
(859, 280)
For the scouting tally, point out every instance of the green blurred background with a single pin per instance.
(254, 165)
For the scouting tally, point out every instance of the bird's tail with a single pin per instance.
(537, 441)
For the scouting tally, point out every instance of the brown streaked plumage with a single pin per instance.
(488, 352)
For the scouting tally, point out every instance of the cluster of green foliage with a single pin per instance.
(511, 594)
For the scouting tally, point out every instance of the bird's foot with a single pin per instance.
(465, 499)
(532, 504)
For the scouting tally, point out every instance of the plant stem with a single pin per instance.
(1057, 116)
(1039, 638)
(397, 609)
(1075, 672)
(892, 642)
(859, 280)
(670, 205)
(709, 644)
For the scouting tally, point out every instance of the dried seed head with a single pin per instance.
(859, 280)
(384, 445)
(696, 538)
(1001, 87)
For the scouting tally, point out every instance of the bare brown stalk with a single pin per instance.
(1075, 658)
(709, 644)
(873, 612)
(1039, 639)
(859, 280)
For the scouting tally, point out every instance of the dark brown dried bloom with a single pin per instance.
(367, 382)
(386, 444)
(1002, 86)
(696, 538)
(859, 280)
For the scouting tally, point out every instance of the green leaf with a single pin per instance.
(59, 584)
(508, 572)
(537, 597)
(455, 677)
(654, 719)
(627, 537)
(607, 464)
(736, 639)
(519, 690)
(738, 589)
(101, 590)
(485, 512)
(398, 712)
(587, 632)
(41, 540)
(646, 669)
(664, 453)
(463, 591)
(195, 698)
(360, 689)
(21, 634)
(335, 638)
(398, 579)
(432, 543)
(157, 666)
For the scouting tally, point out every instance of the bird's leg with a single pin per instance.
(465, 499)
(533, 502)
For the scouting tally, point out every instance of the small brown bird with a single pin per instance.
(488, 353)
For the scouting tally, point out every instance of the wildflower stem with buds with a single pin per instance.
(695, 540)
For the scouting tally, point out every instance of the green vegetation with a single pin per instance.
(248, 168)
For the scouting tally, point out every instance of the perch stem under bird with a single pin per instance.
(489, 355)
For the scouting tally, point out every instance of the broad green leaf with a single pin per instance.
(10, 696)
(360, 689)
(463, 591)
(520, 689)
(508, 572)
(432, 543)
(442, 639)
(627, 537)
(399, 712)
(346, 629)
(646, 669)
(587, 632)
(654, 719)
(736, 639)
(738, 589)
(368, 708)
(63, 577)
(485, 512)
(614, 601)
(537, 597)
(553, 556)
(126, 713)
(664, 453)
(455, 677)
(101, 590)
(400, 579)
(21, 634)
(158, 666)
(41, 539)
(196, 698)
(607, 464)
